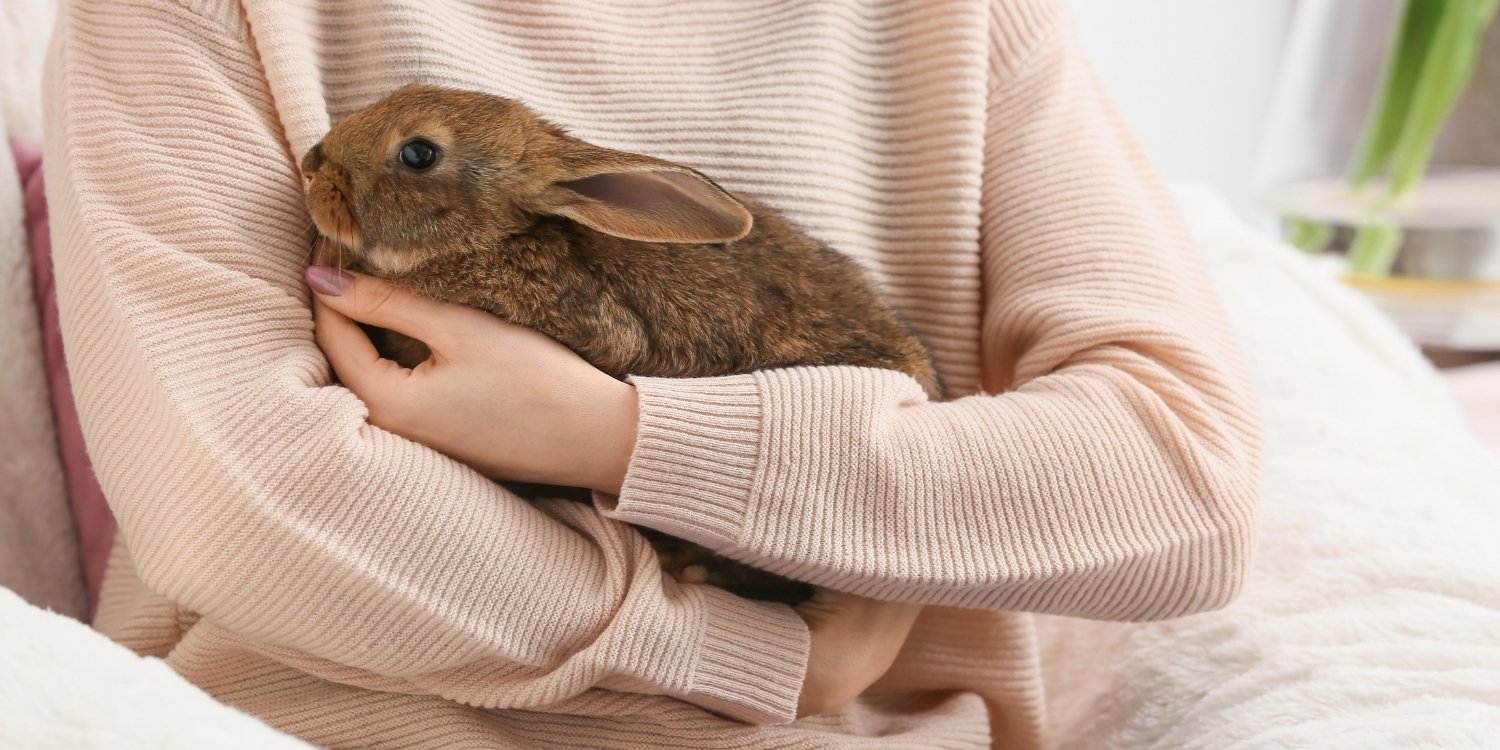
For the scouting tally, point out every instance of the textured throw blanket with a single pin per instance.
(63, 686)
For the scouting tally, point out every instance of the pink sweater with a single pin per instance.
(356, 589)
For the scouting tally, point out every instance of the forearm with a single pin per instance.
(1082, 493)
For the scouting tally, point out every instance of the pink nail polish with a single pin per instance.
(328, 281)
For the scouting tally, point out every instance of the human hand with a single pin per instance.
(854, 641)
(502, 398)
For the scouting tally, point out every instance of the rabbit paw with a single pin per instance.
(691, 574)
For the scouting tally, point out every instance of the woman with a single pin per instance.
(356, 588)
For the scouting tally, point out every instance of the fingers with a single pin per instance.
(836, 608)
(824, 604)
(379, 303)
(353, 357)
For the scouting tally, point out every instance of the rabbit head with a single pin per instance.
(429, 169)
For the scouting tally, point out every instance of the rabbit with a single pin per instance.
(639, 265)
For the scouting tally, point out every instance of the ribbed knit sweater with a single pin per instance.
(1098, 459)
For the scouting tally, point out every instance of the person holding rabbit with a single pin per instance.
(336, 558)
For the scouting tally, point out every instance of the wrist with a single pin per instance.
(617, 432)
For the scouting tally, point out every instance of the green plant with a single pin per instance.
(1436, 48)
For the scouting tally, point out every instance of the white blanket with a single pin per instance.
(65, 687)
(1372, 618)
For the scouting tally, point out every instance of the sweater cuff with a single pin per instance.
(752, 659)
(695, 460)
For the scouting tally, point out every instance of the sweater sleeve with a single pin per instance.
(1107, 466)
(251, 491)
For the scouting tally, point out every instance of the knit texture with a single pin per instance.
(1099, 457)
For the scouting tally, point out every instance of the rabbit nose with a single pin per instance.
(312, 161)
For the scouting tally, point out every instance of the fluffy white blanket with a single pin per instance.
(65, 687)
(1372, 618)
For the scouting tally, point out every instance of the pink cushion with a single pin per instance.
(96, 525)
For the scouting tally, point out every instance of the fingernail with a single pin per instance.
(329, 281)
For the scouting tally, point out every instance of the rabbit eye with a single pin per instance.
(418, 154)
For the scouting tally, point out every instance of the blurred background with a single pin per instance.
(1267, 101)
(1194, 80)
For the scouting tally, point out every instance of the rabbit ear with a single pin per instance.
(639, 198)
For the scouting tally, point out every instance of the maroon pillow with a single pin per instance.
(91, 516)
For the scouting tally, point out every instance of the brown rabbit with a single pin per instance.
(641, 266)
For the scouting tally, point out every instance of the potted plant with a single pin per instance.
(1422, 241)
